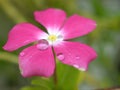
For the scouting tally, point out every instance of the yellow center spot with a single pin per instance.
(52, 38)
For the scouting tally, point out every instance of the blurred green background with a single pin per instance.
(104, 72)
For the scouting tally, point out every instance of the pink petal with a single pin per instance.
(77, 26)
(50, 18)
(35, 62)
(75, 54)
(21, 35)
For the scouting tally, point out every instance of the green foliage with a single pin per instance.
(67, 74)
(103, 72)
(34, 88)
(9, 57)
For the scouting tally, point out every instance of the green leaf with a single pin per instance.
(12, 11)
(40, 81)
(34, 88)
(68, 77)
(8, 57)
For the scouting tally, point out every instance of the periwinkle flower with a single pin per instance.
(38, 59)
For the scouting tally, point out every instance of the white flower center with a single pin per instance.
(54, 39)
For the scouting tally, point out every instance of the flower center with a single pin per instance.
(52, 38)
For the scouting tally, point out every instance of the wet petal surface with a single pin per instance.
(75, 54)
(51, 18)
(76, 26)
(35, 62)
(22, 34)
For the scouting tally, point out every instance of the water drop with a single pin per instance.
(82, 69)
(22, 54)
(76, 66)
(77, 58)
(42, 44)
(79, 68)
(69, 54)
(60, 56)
(21, 71)
(60, 37)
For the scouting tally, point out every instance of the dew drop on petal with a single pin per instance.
(69, 54)
(76, 66)
(60, 37)
(77, 58)
(21, 71)
(82, 69)
(42, 44)
(22, 54)
(60, 56)
(79, 68)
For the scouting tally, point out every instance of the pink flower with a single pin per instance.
(38, 60)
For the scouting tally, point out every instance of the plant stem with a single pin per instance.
(55, 76)
(12, 11)
(8, 57)
(55, 71)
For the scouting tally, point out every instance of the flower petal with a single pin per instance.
(75, 54)
(50, 18)
(35, 62)
(77, 26)
(21, 35)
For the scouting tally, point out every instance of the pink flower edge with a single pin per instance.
(21, 35)
(33, 61)
(75, 54)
